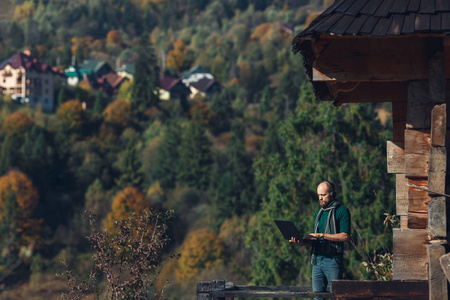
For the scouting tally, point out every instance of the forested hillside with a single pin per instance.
(227, 165)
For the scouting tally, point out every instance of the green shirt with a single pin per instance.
(343, 221)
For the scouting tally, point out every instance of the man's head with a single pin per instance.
(326, 193)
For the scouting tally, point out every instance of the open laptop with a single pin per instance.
(289, 230)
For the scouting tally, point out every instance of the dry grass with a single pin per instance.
(47, 287)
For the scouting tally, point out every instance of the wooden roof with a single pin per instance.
(369, 19)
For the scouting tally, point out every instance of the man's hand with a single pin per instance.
(337, 237)
(294, 240)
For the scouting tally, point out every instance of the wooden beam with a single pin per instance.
(438, 125)
(436, 78)
(417, 220)
(399, 121)
(352, 289)
(418, 106)
(417, 153)
(437, 218)
(437, 279)
(395, 157)
(372, 60)
(418, 197)
(445, 265)
(410, 254)
(353, 92)
(438, 170)
(401, 192)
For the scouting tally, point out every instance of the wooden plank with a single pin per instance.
(358, 22)
(437, 171)
(398, 131)
(258, 294)
(437, 280)
(417, 220)
(396, 25)
(418, 199)
(435, 22)
(351, 92)
(422, 22)
(427, 7)
(345, 6)
(352, 289)
(371, 7)
(417, 153)
(437, 218)
(384, 9)
(438, 125)
(382, 27)
(404, 221)
(445, 21)
(369, 59)
(341, 26)
(414, 5)
(445, 265)
(395, 158)
(436, 73)
(408, 24)
(356, 7)
(418, 106)
(410, 254)
(400, 6)
(401, 192)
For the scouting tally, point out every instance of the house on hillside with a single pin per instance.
(205, 87)
(74, 75)
(29, 81)
(199, 81)
(110, 83)
(172, 89)
(126, 70)
(94, 69)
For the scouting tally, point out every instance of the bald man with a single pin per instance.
(331, 229)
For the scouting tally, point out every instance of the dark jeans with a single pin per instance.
(324, 271)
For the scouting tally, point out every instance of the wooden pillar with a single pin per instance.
(437, 207)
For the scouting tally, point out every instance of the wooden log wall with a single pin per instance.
(418, 156)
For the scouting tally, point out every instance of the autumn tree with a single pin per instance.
(17, 123)
(18, 200)
(202, 249)
(177, 56)
(129, 200)
(117, 113)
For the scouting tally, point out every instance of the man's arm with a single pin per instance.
(337, 237)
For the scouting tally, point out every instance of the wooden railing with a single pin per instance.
(342, 290)
(218, 289)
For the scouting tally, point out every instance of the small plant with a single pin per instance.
(128, 259)
(380, 266)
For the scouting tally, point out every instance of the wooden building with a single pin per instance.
(396, 51)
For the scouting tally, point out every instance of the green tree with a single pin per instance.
(167, 156)
(344, 147)
(221, 107)
(129, 167)
(145, 93)
(195, 159)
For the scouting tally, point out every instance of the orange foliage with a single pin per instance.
(261, 31)
(202, 249)
(129, 200)
(113, 37)
(24, 11)
(253, 143)
(27, 199)
(311, 18)
(71, 115)
(177, 56)
(117, 113)
(204, 111)
(17, 123)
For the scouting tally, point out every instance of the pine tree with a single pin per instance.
(130, 168)
(167, 157)
(195, 159)
(145, 93)
(221, 107)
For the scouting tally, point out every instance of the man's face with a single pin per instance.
(323, 191)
